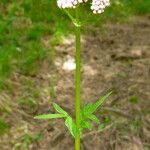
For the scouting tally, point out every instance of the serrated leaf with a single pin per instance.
(71, 126)
(93, 118)
(92, 107)
(59, 109)
(86, 125)
(49, 116)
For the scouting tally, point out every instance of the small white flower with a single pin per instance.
(69, 3)
(98, 6)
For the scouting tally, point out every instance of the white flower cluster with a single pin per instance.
(69, 3)
(98, 6)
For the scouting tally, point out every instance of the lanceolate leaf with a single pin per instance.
(100, 101)
(88, 109)
(91, 108)
(49, 116)
(86, 125)
(93, 118)
(71, 126)
(59, 109)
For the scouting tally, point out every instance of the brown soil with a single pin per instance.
(116, 59)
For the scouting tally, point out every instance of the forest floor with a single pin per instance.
(115, 57)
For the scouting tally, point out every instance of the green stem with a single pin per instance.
(70, 16)
(78, 78)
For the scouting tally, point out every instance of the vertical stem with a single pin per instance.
(78, 67)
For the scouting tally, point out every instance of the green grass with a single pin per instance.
(28, 99)
(3, 126)
(23, 25)
(22, 29)
(134, 99)
(28, 139)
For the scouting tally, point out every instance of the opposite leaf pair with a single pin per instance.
(86, 116)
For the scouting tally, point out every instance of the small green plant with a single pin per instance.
(27, 139)
(134, 99)
(3, 126)
(85, 115)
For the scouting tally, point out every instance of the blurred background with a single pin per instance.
(37, 68)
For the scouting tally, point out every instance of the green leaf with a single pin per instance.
(59, 109)
(93, 118)
(92, 107)
(71, 126)
(100, 101)
(86, 125)
(49, 116)
(87, 109)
